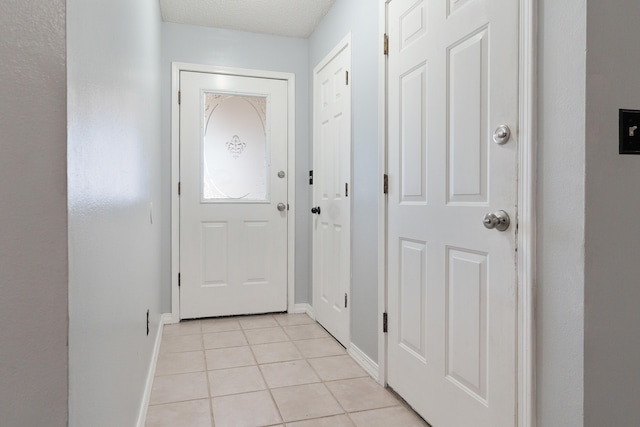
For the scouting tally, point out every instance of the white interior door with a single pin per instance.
(331, 192)
(233, 201)
(452, 336)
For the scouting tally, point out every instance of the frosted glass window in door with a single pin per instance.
(235, 148)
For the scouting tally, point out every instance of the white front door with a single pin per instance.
(331, 191)
(233, 201)
(452, 307)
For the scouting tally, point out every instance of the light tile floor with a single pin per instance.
(267, 370)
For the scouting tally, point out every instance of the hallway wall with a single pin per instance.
(114, 204)
(228, 48)
(360, 17)
(612, 277)
(33, 214)
(560, 212)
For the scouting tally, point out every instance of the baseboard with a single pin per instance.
(304, 308)
(142, 414)
(364, 361)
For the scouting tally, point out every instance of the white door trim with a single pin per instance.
(176, 67)
(526, 234)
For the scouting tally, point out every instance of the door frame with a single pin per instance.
(176, 68)
(343, 44)
(526, 215)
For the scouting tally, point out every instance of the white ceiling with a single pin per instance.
(291, 18)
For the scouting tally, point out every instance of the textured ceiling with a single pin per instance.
(292, 18)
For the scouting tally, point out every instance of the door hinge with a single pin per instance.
(385, 184)
(386, 44)
(178, 188)
(178, 279)
(311, 177)
(346, 78)
(346, 189)
(385, 325)
(179, 97)
(345, 300)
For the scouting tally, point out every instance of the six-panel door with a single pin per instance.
(452, 80)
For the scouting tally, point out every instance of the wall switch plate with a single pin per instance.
(629, 132)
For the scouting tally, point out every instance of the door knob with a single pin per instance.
(315, 210)
(282, 207)
(499, 220)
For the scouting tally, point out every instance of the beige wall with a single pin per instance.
(33, 214)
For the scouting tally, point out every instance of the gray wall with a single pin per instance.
(113, 62)
(560, 214)
(33, 214)
(612, 276)
(360, 17)
(210, 46)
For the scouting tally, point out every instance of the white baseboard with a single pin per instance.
(142, 414)
(304, 308)
(364, 361)
(171, 318)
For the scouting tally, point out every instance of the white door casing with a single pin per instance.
(332, 191)
(452, 285)
(233, 239)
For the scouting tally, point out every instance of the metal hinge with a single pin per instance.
(345, 300)
(386, 44)
(385, 184)
(346, 77)
(311, 177)
(179, 97)
(346, 189)
(178, 279)
(385, 326)
(178, 188)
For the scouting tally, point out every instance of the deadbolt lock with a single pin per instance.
(502, 135)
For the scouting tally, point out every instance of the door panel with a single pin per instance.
(467, 118)
(466, 328)
(452, 79)
(214, 254)
(233, 238)
(331, 188)
(413, 291)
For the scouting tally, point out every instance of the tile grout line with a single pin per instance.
(321, 381)
(266, 384)
(206, 374)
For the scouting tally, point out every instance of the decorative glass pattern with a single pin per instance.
(235, 148)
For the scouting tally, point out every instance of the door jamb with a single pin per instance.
(526, 215)
(176, 67)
